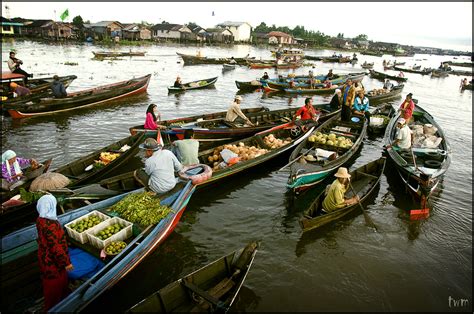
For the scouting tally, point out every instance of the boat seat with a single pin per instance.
(367, 175)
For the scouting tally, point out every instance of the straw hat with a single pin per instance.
(401, 121)
(342, 173)
(49, 181)
(310, 158)
(238, 97)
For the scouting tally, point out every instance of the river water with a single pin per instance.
(406, 266)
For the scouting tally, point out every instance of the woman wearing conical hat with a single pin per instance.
(335, 198)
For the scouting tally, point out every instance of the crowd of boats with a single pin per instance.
(216, 285)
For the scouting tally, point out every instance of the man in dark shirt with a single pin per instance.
(59, 91)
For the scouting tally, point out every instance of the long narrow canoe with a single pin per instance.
(367, 66)
(313, 91)
(364, 181)
(302, 81)
(20, 271)
(306, 174)
(425, 71)
(39, 87)
(248, 86)
(259, 65)
(193, 60)
(107, 54)
(337, 59)
(127, 182)
(383, 76)
(468, 86)
(431, 163)
(438, 73)
(372, 53)
(82, 171)
(395, 92)
(460, 64)
(214, 286)
(81, 99)
(193, 85)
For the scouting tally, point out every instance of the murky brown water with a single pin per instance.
(406, 266)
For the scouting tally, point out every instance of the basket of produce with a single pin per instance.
(113, 229)
(77, 228)
(114, 247)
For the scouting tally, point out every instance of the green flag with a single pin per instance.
(64, 15)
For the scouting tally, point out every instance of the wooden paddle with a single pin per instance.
(295, 160)
(368, 220)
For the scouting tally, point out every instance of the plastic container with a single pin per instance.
(123, 234)
(82, 237)
(376, 121)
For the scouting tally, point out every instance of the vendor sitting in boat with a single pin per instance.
(335, 196)
(152, 118)
(12, 168)
(178, 83)
(234, 112)
(387, 85)
(232, 61)
(158, 174)
(187, 150)
(361, 105)
(58, 89)
(404, 138)
(19, 90)
(329, 76)
(307, 113)
(265, 76)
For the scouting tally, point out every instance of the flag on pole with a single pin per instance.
(64, 15)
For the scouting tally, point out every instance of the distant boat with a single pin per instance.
(108, 54)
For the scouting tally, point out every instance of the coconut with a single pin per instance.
(241, 144)
(210, 158)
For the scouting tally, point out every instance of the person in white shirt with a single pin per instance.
(158, 174)
(234, 112)
(387, 85)
(404, 136)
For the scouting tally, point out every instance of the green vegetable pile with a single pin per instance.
(142, 208)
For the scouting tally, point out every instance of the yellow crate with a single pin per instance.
(81, 236)
(123, 234)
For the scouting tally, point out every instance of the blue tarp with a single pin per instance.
(85, 265)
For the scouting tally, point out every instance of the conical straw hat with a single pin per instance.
(49, 181)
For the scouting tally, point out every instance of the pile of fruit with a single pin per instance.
(109, 231)
(104, 159)
(115, 247)
(376, 92)
(330, 139)
(142, 208)
(274, 143)
(245, 153)
(86, 223)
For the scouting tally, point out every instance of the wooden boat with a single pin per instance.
(439, 73)
(193, 60)
(367, 65)
(302, 81)
(364, 181)
(313, 91)
(83, 170)
(126, 181)
(383, 76)
(384, 112)
(313, 171)
(114, 54)
(228, 67)
(212, 288)
(193, 85)
(431, 163)
(81, 99)
(219, 130)
(259, 65)
(338, 59)
(372, 53)
(169, 135)
(21, 278)
(461, 64)
(291, 52)
(463, 73)
(39, 87)
(395, 92)
(248, 86)
(399, 63)
(425, 71)
(315, 58)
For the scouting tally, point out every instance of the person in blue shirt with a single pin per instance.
(361, 105)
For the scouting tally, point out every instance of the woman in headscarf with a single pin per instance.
(53, 256)
(12, 165)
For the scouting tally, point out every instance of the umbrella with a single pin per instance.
(49, 181)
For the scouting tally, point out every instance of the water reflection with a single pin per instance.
(178, 97)
(247, 300)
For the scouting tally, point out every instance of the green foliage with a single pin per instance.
(299, 31)
(29, 197)
(362, 37)
(78, 22)
(340, 35)
(192, 25)
(142, 208)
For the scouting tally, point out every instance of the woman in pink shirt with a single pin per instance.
(152, 117)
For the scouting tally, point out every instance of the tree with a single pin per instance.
(362, 37)
(340, 35)
(78, 22)
(192, 25)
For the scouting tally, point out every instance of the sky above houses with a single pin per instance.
(433, 24)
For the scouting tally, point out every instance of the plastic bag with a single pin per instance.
(227, 154)
(85, 265)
